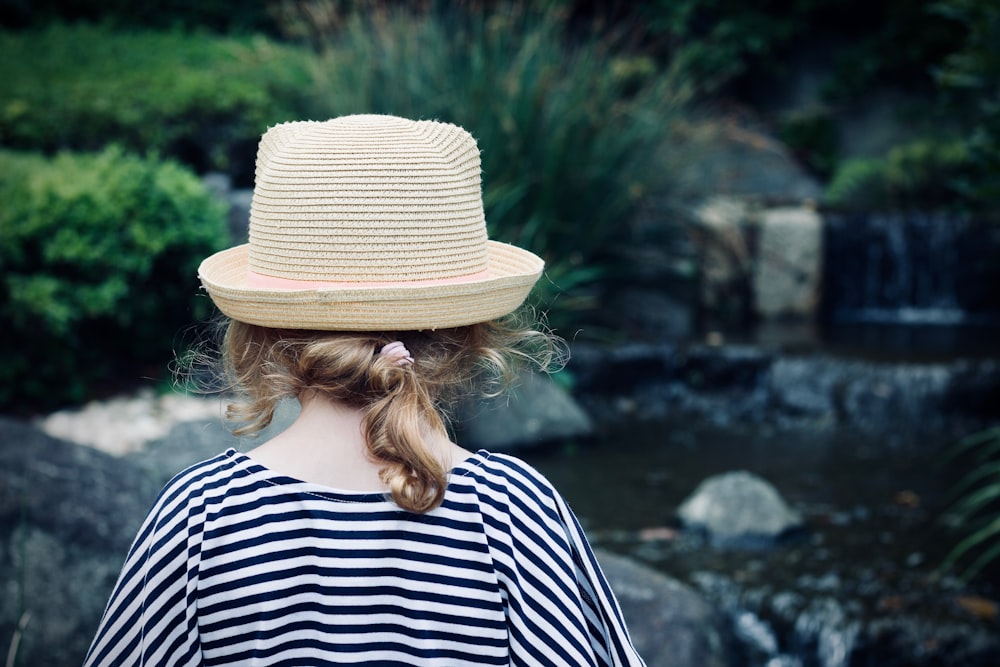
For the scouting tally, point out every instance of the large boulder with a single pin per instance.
(739, 509)
(67, 517)
(737, 155)
(537, 411)
(671, 624)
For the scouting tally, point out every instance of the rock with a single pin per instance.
(836, 626)
(735, 155)
(536, 411)
(671, 624)
(806, 387)
(875, 395)
(184, 445)
(902, 640)
(724, 384)
(217, 182)
(739, 509)
(724, 369)
(620, 369)
(67, 517)
(722, 235)
(864, 394)
(236, 200)
(651, 315)
(124, 424)
(757, 261)
(786, 279)
(189, 442)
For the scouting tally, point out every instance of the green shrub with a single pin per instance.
(743, 44)
(98, 260)
(956, 164)
(573, 138)
(717, 41)
(970, 78)
(931, 173)
(203, 100)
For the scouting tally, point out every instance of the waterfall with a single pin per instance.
(898, 268)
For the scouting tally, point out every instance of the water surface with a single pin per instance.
(872, 504)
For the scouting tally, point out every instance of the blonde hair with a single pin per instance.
(402, 404)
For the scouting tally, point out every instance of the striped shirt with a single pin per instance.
(238, 565)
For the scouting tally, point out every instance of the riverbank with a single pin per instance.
(860, 585)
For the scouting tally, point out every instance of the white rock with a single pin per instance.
(738, 507)
(124, 424)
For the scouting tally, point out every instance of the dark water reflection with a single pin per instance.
(897, 341)
(872, 505)
(892, 341)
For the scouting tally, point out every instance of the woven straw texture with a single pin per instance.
(368, 223)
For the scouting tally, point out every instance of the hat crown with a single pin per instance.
(368, 223)
(367, 198)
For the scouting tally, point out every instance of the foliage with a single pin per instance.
(573, 137)
(892, 43)
(956, 162)
(716, 41)
(812, 136)
(860, 47)
(971, 77)
(204, 101)
(735, 45)
(929, 173)
(976, 512)
(98, 260)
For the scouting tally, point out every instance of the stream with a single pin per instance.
(858, 587)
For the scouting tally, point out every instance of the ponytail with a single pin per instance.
(395, 426)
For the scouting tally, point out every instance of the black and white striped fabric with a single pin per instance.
(238, 565)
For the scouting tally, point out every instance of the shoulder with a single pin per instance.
(195, 484)
(506, 482)
(503, 471)
(202, 475)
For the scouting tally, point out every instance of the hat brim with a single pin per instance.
(511, 273)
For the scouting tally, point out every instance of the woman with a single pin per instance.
(362, 534)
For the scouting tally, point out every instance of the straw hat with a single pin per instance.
(368, 223)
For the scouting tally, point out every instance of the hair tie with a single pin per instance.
(397, 352)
